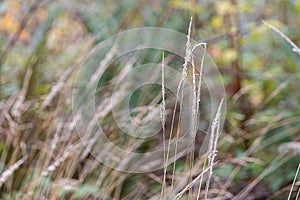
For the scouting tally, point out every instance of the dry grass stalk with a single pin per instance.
(198, 98)
(295, 47)
(179, 94)
(296, 175)
(163, 120)
(18, 107)
(293, 147)
(212, 149)
(56, 88)
(271, 167)
(7, 173)
(102, 66)
(191, 184)
(60, 160)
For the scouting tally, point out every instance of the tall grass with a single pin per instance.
(42, 155)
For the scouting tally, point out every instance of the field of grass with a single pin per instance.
(157, 99)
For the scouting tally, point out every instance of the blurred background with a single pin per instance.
(43, 43)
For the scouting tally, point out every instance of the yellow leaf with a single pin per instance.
(229, 55)
(217, 21)
(9, 24)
